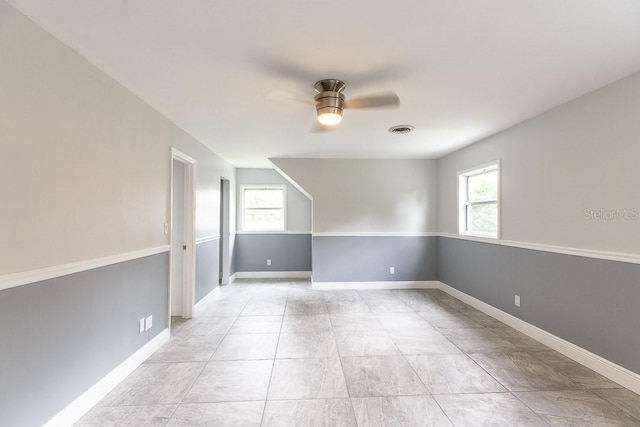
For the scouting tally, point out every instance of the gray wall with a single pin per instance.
(358, 259)
(207, 267)
(60, 336)
(590, 302)
(287, 252)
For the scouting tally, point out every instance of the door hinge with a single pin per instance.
(184, 247)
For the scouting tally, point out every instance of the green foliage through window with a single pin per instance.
(479, 198)
(483, 186)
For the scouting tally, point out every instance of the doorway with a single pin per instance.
(225, 235)
(182, 274)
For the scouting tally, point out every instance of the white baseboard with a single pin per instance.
(206, 301)
(271, 275)
(87, 400)
(604, 367)
(362, 286)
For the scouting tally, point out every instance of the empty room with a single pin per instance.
(414, 213)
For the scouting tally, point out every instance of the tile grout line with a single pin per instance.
(206, 363)
(508, 391)
(528, 407)
(344, 377)
(614, 404)
(488, 373)
(423, 383)
(273, 363)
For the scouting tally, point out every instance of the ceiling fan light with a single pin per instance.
(330, 118)
(329, 104)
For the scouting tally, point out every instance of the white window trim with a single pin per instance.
(462, 199)
(264, 187)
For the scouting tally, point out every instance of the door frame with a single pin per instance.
(225, 230)
(189, 259)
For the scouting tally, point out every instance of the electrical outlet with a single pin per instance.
(148, 323)
(392, 270)
(517, 301)
(268, 262)
(141, 327)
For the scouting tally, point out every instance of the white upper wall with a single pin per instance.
(298, 204)
(85, 165)
(581, 155)
(367, 196)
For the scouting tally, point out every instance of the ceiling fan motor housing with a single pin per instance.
(329, 98)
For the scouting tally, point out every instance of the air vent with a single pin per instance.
(401, 129)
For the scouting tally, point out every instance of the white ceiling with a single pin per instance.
(464, 69)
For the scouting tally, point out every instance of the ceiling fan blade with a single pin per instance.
(382, 100)
(283, 95)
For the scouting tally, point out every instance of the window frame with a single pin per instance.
(464, 203)
(243, 209)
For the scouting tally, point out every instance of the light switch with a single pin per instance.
(148, 323)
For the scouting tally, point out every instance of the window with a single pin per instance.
(478, 191)
(263, 208)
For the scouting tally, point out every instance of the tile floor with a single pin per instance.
(276, 353)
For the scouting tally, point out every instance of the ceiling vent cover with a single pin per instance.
(397, 130)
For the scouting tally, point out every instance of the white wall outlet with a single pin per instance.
(268, 262)
(392, 270)
(517, 300)
(166, 228)
(148, 323)
(141, 325)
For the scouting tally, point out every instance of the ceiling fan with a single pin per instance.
(330, 101)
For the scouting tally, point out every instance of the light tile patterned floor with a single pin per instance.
(276, 353)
